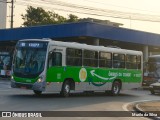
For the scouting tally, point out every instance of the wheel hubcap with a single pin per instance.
(67, 88)
(116, 89)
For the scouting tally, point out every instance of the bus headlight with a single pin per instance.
(40, 79)
(12, 77)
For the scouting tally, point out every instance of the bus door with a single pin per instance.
(56, 60)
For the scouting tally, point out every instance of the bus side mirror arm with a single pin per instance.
(50, 53)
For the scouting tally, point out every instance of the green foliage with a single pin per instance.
(72, 18)
(38, 16)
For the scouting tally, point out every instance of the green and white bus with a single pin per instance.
(64, 67)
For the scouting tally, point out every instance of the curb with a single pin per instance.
(139, 110)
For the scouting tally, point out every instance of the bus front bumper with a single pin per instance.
(38, 86)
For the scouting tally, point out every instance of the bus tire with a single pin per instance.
(37, 92)
(116, 87)
(66, 89)
(152, 91)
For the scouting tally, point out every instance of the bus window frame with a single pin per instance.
(50, 57)
(87, 58)
(72, 57)
(119, 61)
(135, 63)
(106, 60)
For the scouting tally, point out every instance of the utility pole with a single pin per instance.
(12, 7)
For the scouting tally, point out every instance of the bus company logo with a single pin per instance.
(82, 74)
(21, 114)
(6, 114)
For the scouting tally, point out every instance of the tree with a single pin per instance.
(38, 16)
(72, 18)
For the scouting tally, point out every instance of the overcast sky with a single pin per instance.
(141, 15)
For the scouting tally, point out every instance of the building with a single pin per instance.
(3, 14)
(86, 32)
(105, 22)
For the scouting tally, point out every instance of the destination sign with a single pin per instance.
(32, 44)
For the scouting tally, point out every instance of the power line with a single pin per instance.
(66, 10)
(117, 13)
(75, 5)
(121, 6)
(94, 11)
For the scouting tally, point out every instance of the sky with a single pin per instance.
(143, 15)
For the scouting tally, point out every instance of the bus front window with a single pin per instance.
(154, 66)
(29, 62)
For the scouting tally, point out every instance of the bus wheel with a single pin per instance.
(37, 92)
(66, 89)
(116, 87)
(152, 92)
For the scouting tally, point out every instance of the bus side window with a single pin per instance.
(118, 60)
(131, 62)
(73, 57)
(55, 59)
(105, 59)
(90, 58)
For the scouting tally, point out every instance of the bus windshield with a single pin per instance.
(29, 62)
(154, 66)
(153, 63)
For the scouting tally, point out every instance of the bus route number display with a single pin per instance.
(32, 45)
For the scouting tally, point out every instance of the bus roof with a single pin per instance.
(88, 47)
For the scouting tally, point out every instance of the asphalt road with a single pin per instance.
(24, 100)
